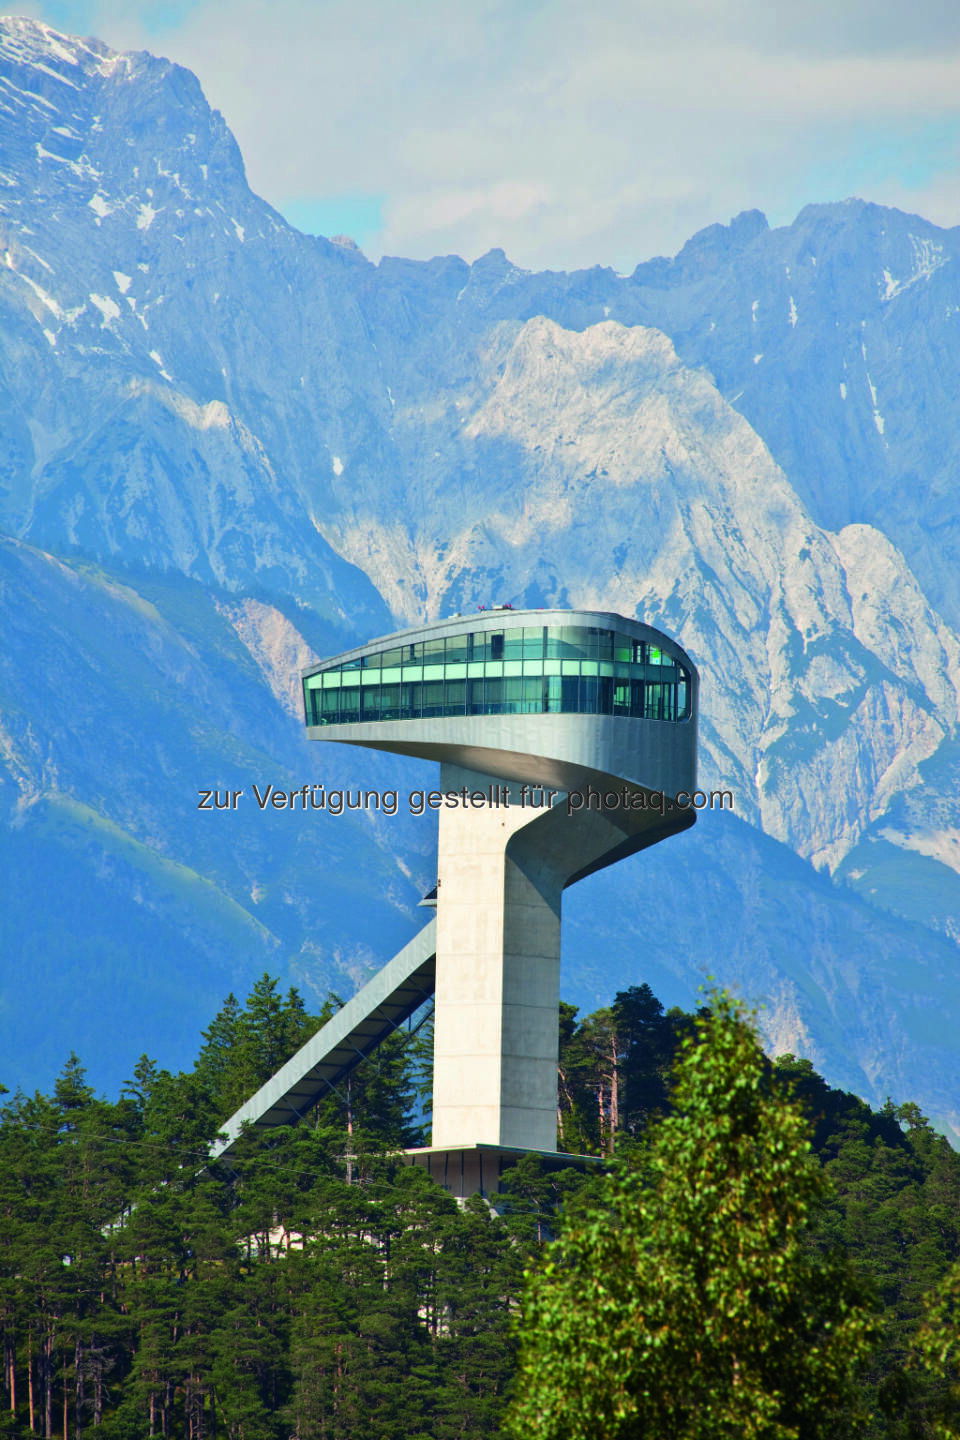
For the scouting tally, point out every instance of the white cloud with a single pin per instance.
(570, 134)
(506, 200)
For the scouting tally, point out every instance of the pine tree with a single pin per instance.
(648, 1041)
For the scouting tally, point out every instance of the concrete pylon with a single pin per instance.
(502, 868)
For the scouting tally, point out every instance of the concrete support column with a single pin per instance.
(498, 975)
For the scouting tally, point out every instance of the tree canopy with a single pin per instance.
(319, 1287)
(685, 1301)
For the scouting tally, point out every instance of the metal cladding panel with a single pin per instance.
(566, 751)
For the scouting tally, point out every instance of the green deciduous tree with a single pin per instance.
(686, 1301)
(937, 1347)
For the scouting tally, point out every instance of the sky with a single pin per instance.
(567, 133)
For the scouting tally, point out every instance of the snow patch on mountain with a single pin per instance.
(927, 257)
(107, 306)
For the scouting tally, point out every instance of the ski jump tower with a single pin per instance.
(567, 741)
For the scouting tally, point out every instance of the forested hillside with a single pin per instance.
(319, 1286)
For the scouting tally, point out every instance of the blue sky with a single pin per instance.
(567, 134)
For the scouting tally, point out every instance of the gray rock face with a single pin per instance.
(836, 338)
(150, 308)
(245, 444)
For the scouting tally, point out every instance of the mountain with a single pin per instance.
(835, 338)
(127, 913)
(229, 446)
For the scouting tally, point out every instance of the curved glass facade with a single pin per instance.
(528, 670)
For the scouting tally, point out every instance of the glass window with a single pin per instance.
(390, 702)
(552, 694)
(604, 697)
(513, 644)
(512, 694)
(588, 696)
(432, 698)
(533, 695)
(533, 642)
(578, 643)
(455, 697)
(531, 670)
(410, 702)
